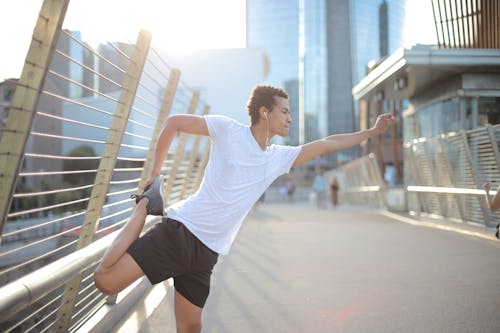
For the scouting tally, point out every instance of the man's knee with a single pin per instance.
(190, 327)
(103, 283)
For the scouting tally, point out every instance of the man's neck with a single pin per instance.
(260, 136)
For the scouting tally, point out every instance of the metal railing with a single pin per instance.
(443, 177)
(79, 141)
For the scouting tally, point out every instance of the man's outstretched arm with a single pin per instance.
(336, 142)
(186, 123)
(493, 202)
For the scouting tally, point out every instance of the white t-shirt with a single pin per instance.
(237, 173)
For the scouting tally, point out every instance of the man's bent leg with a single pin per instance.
(116, 278)
(187, 315)
(118, 269)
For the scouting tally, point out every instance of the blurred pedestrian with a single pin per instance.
(319, 186)
(290, 189)
(334, 189)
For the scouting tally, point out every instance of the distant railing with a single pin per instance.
(443, 177)
(79, 140)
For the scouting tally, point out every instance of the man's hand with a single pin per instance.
(149, 181)
(383, 122)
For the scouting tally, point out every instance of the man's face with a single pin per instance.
(280, 118)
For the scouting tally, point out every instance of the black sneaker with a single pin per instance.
(154, 193)
(497, 234)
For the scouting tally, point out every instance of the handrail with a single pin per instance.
(443, 177)
(447, 190)
(23, 292)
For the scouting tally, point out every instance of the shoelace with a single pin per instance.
(137, 197)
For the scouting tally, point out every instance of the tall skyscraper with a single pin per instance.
(274, 27)
(367, 35)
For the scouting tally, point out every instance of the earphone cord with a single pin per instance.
(267, 132)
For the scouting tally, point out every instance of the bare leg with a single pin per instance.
(118, 269)
(187, 315)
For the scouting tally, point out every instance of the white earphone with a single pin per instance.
(267, 128)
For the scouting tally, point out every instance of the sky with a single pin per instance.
(177, 26)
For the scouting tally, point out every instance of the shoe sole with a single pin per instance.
(156, 186)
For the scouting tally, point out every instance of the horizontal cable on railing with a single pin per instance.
(121, 212)
(32, 260)
(61, 157)
(121, 202)
(158, 70)
(144, 113)
(72, 101)
(120, 51)
(110, 194)
(88, 295)
(34, 313)
(447, 190)
(152, 78)
(32, 194)
(155, 106)
(140, 124)
(134, 147)
(159, 56)
(131, 159)
(127, 169)
(63, 137)
(112, 226)
(44, 224)
(83, 86)
(129, 134)
(38, 242)
(42, 209)
(128, 181)
(54, 173)
(191, 90)
(53, 312)
(91, 50)
(182, 96)
(90, 69)
(151, 92)
(96, 303)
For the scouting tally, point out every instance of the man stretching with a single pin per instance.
(185, 245)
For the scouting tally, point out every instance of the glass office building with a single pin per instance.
(273, 26)
(325, 45)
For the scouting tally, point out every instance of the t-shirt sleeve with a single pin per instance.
(283, 158)
(217, 125)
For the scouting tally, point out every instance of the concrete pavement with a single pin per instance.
(296, 269)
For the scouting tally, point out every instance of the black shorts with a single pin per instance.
(168, 250)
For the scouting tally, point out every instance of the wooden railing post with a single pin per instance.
(194, 156)
(494, 145)
(468, 153)
(452, 177)
(105, 171)
(166, 106)
(202, 164)
(179, 150)
(23, 108)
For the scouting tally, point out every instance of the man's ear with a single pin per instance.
(263, 111)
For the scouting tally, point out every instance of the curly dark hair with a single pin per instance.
(263, 95)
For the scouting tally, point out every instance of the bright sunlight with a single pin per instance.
(177, 26)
